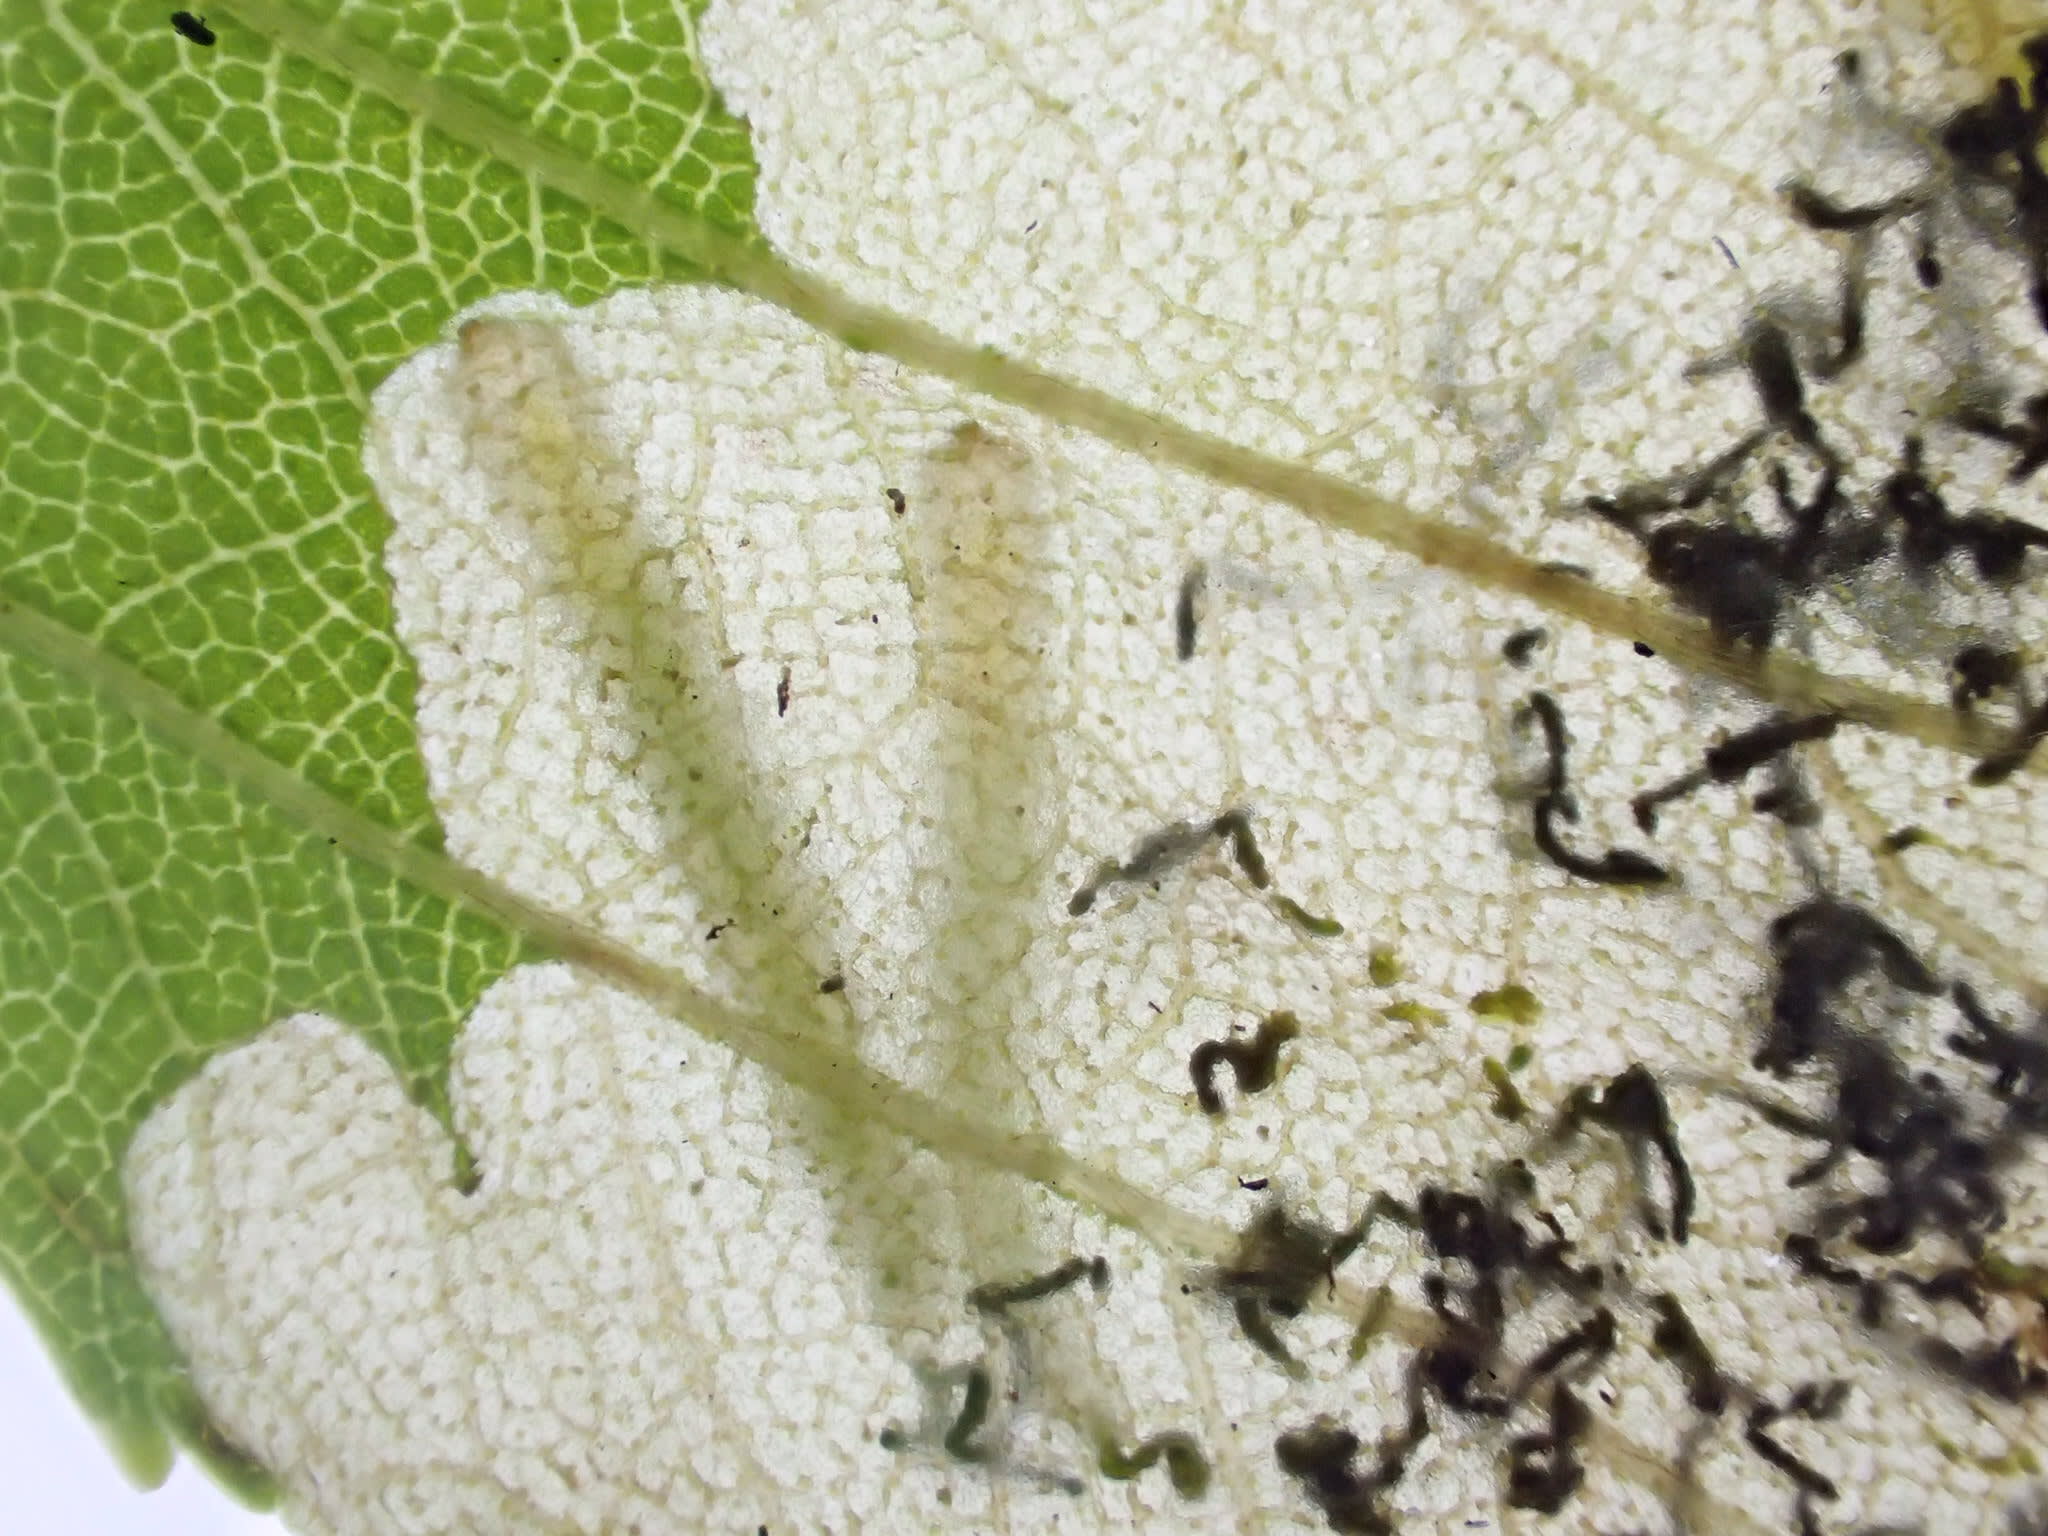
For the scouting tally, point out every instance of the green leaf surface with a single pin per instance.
(211, 257)
(214, 812)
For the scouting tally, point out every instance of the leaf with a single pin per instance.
(685, 1290)
(212, 257)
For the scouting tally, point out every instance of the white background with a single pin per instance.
(60, 1480)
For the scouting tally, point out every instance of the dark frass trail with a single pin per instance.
(1900, 1204)
(1903, 1157)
